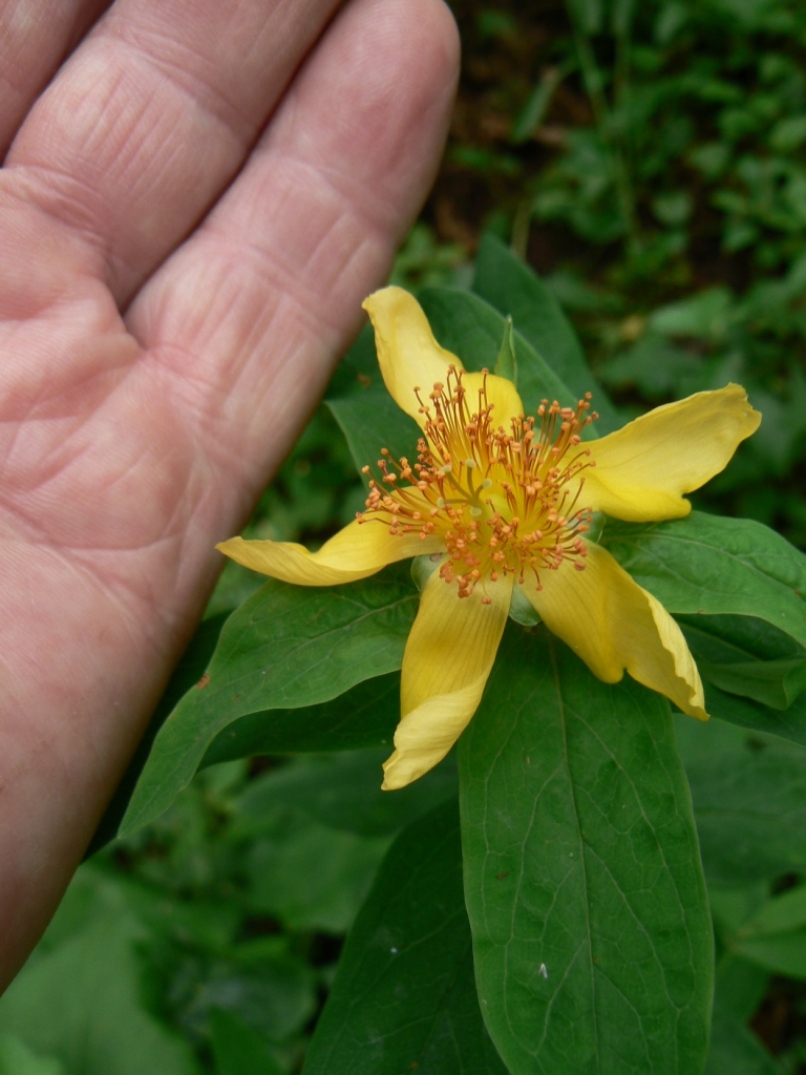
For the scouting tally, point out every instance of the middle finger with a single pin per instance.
(152, 116)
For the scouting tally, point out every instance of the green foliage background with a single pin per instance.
(649, 159)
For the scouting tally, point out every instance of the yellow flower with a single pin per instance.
(502, 501)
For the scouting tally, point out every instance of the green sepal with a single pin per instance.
(506, 364)
(521, 609)
(423, 567)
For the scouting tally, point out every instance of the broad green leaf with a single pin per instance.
(82, 1002)
(736, 1049)
(731, 906)
(740, 989)
(259, 981)
(187, 672)
(404, 998)
(704, 315)
(740, 986)
(373, 421)
(750, 807)
(286, 647)
(238, 1049)
(472, 329)
(772, 683)
(308, 875)
(782, 913)
(591, 929)
(98, 887)
(746, 656)
(788, 724)
(343, 791)
(775, 936)
(726, 638)
(780, 953)
(364, 716)
(708, 564)
(187, 951)
(503, 280)
(17, 1059)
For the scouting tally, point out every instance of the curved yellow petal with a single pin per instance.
(642, 471)
(613, 624)
(408, 354)
(359, 550)
(448, 658)
(500, 392)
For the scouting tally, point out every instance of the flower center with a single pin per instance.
(504, 502)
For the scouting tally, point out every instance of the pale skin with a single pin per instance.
(196, 197)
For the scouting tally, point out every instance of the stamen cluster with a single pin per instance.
(504, 502)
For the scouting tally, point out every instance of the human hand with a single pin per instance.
(190, 215)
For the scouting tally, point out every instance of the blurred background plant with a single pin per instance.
(649, 161)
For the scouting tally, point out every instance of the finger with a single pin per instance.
(35, 35)
(153, 115)
(268, 290)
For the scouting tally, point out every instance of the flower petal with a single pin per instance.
(408, 354)
(642, 470)
(613, 624)
(448, 658)
(501, 393)
(359, 550)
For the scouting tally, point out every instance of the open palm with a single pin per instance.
(190, 214)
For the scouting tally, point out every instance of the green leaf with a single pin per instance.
(788, 134)
(788, 724)
(343, 791)
(533, 112)
(238, 1049)
(708, 564)
(775, 936)
(187, 672)
(17, 1059)
(737, 1050)
(364, 716)
(780, 914)
(740, 986)
(82, 1003)
(780, 953)
(705, 314)
(404, 996)
(472, 329)
(285, 647)
(746, 656)
(750, 807)
(510, 286)
(772, 683)
(268, 987)
(308, 875)
(372, 421)
(591, 929)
